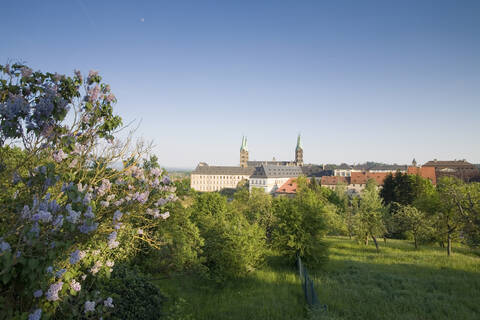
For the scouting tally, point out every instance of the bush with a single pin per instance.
(301, 227)
(233, 246)
(134, 296)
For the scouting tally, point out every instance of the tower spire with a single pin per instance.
(299, 142)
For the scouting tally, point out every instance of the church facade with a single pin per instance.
(268, 175)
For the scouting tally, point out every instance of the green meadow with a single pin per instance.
(356, 283)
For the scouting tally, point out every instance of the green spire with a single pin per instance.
(299, 143)
(244, 144)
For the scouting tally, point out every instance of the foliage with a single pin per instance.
(415, 221)
(233, 246)
(135, 295)
(369, 219)
(67, 215)
(301, 227)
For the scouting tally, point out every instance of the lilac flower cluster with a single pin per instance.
(52, 293)
(108, 302)
(96, 267)
(112, 240)
(89, 306)
(36, 315)
(60, 273)
(141, 197)
(76, 256)
(104, 187)
(117, 216)
(59, 156)
(38, 293)
(73, 215)
(76, 286)
(4, 246)
(88, 227)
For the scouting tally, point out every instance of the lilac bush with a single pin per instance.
(73, 214)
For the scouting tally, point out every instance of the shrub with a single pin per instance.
(301, 227)
(135, 297)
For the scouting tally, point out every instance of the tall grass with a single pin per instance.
(357, 283)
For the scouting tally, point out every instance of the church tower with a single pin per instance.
(299, 153)
(243, 153)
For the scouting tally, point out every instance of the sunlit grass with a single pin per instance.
(357, 283)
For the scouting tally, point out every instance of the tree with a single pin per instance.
(370, 215)
(414, 220)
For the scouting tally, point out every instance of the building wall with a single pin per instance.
(203, 182)
(268, 184)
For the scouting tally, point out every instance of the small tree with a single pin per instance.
(414, 220)
(370, 215)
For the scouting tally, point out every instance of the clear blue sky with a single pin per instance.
(361, 80)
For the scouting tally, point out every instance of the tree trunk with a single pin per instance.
(376, 244)
(366, 240)
(385, 240)
(449, 244)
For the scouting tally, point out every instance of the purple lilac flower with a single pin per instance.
(18, 254)
(59, 156)
(76, 256)
(49, 269)
(108, 302)
(35, 229)
(141, 197)
(52, 293)
(4, 246)
(161, 202)
(25, 212)
(92, 73)
(96, 267)
(38, 293)
(110, 97)
(36, 315)
(89, 213)
(78, 74)
(140, 231)
(165, 215)
(60, 273)
(118, 202)
(84, 277)
(166, 180)
(43, 216)
(112, 243)
(104, 187)
(117, 216)
(76, 286)
(89, 306)
(87, 198)
(73, 215)
(104, 203)
(110, 263)
(26, 72)
(156, 172)
(58, 222)
(87, 228)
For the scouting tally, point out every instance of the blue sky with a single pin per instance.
(361, 80)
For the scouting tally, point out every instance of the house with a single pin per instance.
(271, 177)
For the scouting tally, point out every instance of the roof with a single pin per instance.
(226, 170)
(276, 171)
(424, 172)
(363, 177)
(273, 162)
(289, 187)
(448, 163)
(334, 180)
(343, 166)
(389, 167)
(312, 170)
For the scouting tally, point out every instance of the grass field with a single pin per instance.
(357, 283)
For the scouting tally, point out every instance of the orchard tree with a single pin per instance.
(411, 219)
(369, 220)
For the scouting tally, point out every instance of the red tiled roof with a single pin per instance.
(288, 187)
(362, 177)
(424, 172)
(333, 180)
